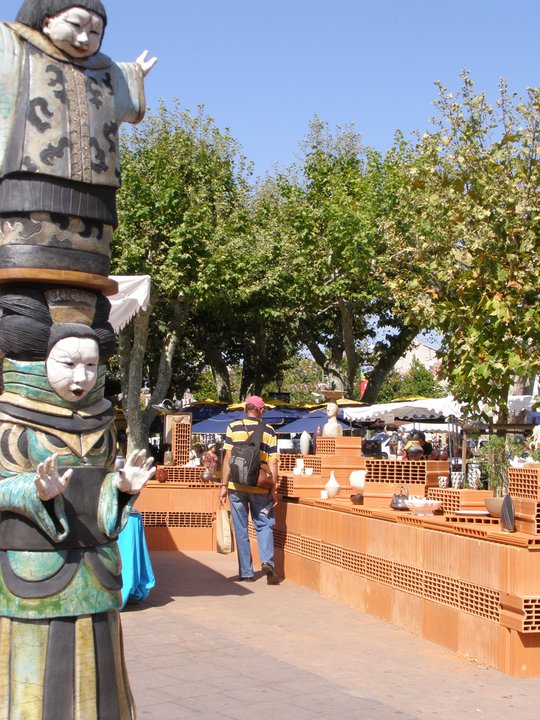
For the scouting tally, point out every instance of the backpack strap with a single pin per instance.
(257, 434)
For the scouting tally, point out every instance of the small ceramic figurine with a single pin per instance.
(332, 426)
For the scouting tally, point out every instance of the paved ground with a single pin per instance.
(203, 646)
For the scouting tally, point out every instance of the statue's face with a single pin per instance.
(331, 410)
(75, 31)
(72, 367)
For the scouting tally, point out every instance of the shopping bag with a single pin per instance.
(224, 534)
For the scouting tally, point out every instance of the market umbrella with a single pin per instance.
(425, 409)
(308, 423)
(219, 423)
(204, 409)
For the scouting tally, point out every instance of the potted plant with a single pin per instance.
(493, 460)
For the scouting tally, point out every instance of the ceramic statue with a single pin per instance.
(63, 498)
(62, 105)
(332, 426)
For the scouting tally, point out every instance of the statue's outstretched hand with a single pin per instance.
(136, 473)
(144, 64)
(48, 482)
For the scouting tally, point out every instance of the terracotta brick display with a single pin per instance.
(339, 445)
(179, 517)
(299, 486)
(527, 515)
(479, 596)
(190, 476)
(181, 441)
(524, 483)
(454, 499)
(286, 462)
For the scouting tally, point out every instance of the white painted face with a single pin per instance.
(72, 367)
(75, 31)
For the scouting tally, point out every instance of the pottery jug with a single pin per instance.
(332, 486)
(305, 442)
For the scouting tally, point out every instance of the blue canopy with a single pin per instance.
(309, 423)
(219, 423)
(201, 411)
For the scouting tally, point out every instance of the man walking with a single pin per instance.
(259, 500)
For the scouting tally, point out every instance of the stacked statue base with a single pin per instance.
(62, 504)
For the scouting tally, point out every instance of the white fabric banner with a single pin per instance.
(133, 295)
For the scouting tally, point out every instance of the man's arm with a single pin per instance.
(225, 471)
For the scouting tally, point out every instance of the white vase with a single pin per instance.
(332, 487)
(305, 442)
(357, 479)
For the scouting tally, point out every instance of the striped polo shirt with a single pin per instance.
(238, 432)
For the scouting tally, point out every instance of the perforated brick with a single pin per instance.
(181, 441)
(524, 483)
(154, 519)
(332, 554)
(441, 589)
(326, 446)
(379, 569)
(407, 578)
(479, 601)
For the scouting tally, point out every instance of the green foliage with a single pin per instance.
(465, 232)
(418, 381)
(322, 223)
(493, 460)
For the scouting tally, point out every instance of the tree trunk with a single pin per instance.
(163, 382)
(220, 372)
(332, 366)
(389, 355)
(131, 349)
(353, 358)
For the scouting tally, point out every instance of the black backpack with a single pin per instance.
(245, 462)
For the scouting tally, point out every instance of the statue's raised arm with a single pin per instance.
(146, 65)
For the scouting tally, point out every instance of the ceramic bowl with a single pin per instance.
(494, 506)
(297, 470)
(308, 471)
(422, 505)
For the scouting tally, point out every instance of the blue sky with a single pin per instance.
(263, 69)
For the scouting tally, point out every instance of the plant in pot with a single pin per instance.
(493, 460)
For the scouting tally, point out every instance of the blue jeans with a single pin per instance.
(263, 522)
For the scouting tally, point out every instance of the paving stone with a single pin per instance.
(201, 647)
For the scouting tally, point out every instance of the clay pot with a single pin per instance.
(494, 506)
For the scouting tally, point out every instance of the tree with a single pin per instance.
(466, 226)
(182, 200)
(327, 227)
(418, 381)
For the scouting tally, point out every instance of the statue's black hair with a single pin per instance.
(26, 327)
(34, 12)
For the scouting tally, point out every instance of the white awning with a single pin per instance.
(427, 409)
(133, 295)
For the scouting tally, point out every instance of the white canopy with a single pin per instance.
(133, 295)
(427, 409)
(517, 403)
(429, 427)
